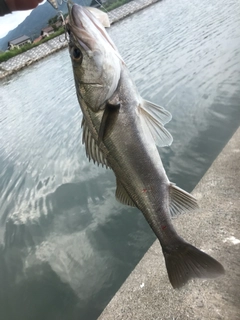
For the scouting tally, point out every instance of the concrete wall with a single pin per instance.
(25, 59)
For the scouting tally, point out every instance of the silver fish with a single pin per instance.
(121, 131)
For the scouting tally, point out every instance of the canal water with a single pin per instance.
(66, 244)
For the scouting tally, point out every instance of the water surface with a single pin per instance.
(66, 243)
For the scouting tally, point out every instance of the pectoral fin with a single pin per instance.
(154, 117)
(92, 150)
(109, 108)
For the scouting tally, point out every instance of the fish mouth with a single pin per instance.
(76, 13)
(76, 27)
(87, 29)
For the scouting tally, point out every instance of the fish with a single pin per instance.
(121, 131)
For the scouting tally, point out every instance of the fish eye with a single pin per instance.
(76, 54)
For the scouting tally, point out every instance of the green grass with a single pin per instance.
(4, 56)
(110, 5)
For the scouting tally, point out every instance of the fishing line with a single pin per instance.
(108, 12)
(61, 17)
(55, 4)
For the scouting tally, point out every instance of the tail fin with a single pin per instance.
(184, 262)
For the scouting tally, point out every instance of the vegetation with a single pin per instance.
(4, 56)
(113, 4)
(53, 20)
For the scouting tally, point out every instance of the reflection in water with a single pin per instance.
(32, 289)
(205, 147)
(66, 243)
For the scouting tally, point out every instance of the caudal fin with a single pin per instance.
(184, 262)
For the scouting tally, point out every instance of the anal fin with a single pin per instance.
(93, 152)
(122, 195)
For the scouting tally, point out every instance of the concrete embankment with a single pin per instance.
(35, 54)
(215, 228)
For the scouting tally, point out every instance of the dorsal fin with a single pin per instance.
(92, 150)
(154, 118)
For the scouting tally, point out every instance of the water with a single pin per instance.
(66, 243)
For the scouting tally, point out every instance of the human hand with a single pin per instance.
(15, 5)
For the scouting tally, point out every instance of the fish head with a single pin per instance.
(95, 59)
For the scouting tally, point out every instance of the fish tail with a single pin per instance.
(185, 262)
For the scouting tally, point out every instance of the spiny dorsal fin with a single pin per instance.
(92, 150)
(181, 201)
(122, 195)
(154, 118)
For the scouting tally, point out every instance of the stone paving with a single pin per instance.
(22, 60)
(128, 9)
